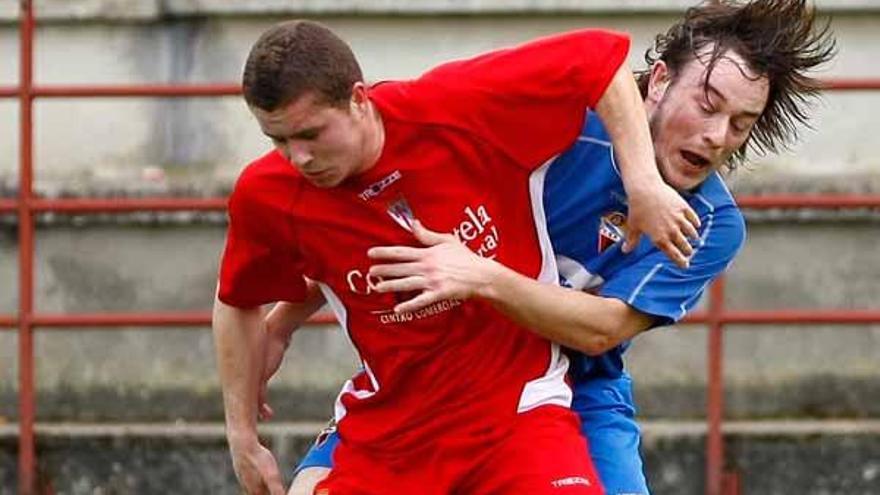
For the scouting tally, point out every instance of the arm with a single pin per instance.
(281, 321)
(530, 102)
(448, 269)
(240, 343)
(654, 207)
(584, 322)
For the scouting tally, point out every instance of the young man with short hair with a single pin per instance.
(453, 397)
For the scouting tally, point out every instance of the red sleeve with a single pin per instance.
(530, 100)
(259, 264)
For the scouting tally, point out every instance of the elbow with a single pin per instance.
(594, 340)
(596, 345)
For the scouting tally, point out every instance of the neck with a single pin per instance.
(375, 137)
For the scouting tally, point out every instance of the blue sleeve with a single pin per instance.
(321, 452)
(654, 285)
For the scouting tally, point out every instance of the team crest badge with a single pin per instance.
(401, 213)
(612, 229)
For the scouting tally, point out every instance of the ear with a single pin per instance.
(359, 98)
(658, 82)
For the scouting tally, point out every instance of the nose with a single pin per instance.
(715, 132)
(298, 153)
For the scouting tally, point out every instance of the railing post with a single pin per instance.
(715, 391)
(26, 446)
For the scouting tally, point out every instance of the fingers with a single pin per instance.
(427, 236)
(396, 270)
(405, 284)
(674, 253)
(693, 219)
(423, 300)
(632, 239)
(394, 253)
(681, 243)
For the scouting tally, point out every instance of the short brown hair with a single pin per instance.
(778, 39)
(298, 57)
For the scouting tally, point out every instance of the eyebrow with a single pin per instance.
(308, 130)
(721, 96)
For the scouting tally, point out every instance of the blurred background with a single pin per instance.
(138, 409)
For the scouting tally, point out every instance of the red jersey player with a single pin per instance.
(438, 407)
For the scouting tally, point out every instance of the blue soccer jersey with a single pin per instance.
(586, 209)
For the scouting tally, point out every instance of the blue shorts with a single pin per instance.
(606, 410)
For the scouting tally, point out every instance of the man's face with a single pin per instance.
(325, 143)
(697, 127)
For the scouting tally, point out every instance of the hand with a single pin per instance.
(662, 214)
(446, 269)
(256, 469)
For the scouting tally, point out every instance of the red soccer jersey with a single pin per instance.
(463, 153)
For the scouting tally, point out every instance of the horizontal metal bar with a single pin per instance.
(161, 319)
(822, 201)
(851, 84)
(110, 320)
(137, 90)
(791, 317)
(101, 205)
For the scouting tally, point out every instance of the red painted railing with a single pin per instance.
(26, 205)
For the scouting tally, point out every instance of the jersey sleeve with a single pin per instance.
(529, 101)
(656, 286)
(259, 264)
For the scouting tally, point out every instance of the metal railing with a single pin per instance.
(26, 205)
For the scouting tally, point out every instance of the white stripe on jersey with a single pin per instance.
(550, 388)
(348, 388)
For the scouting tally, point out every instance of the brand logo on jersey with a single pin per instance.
(377, 187)
(612, 228)
(571, 481)
(401, 213)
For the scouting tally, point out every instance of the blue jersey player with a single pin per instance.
(728, 77)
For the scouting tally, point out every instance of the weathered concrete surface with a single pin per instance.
(164, 374)
(66, 10)
(783, 463)
(206, 141)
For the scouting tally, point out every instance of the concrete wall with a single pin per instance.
(144, 374)
(119, 143)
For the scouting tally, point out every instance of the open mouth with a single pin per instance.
(694, 159)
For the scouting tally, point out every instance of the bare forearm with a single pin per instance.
(581, 321)
(285, 317)
(623, 113)
(239, 344)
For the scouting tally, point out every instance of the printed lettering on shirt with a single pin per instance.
(477, 225)
(377, 187)
(476, 230)
(612, 228)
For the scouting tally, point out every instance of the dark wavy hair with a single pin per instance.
(295, 58)
(778, 39)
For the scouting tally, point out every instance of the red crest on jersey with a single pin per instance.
(612, 228)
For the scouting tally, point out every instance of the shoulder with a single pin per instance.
(723, 224)
(265, 180)
(260, 206)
